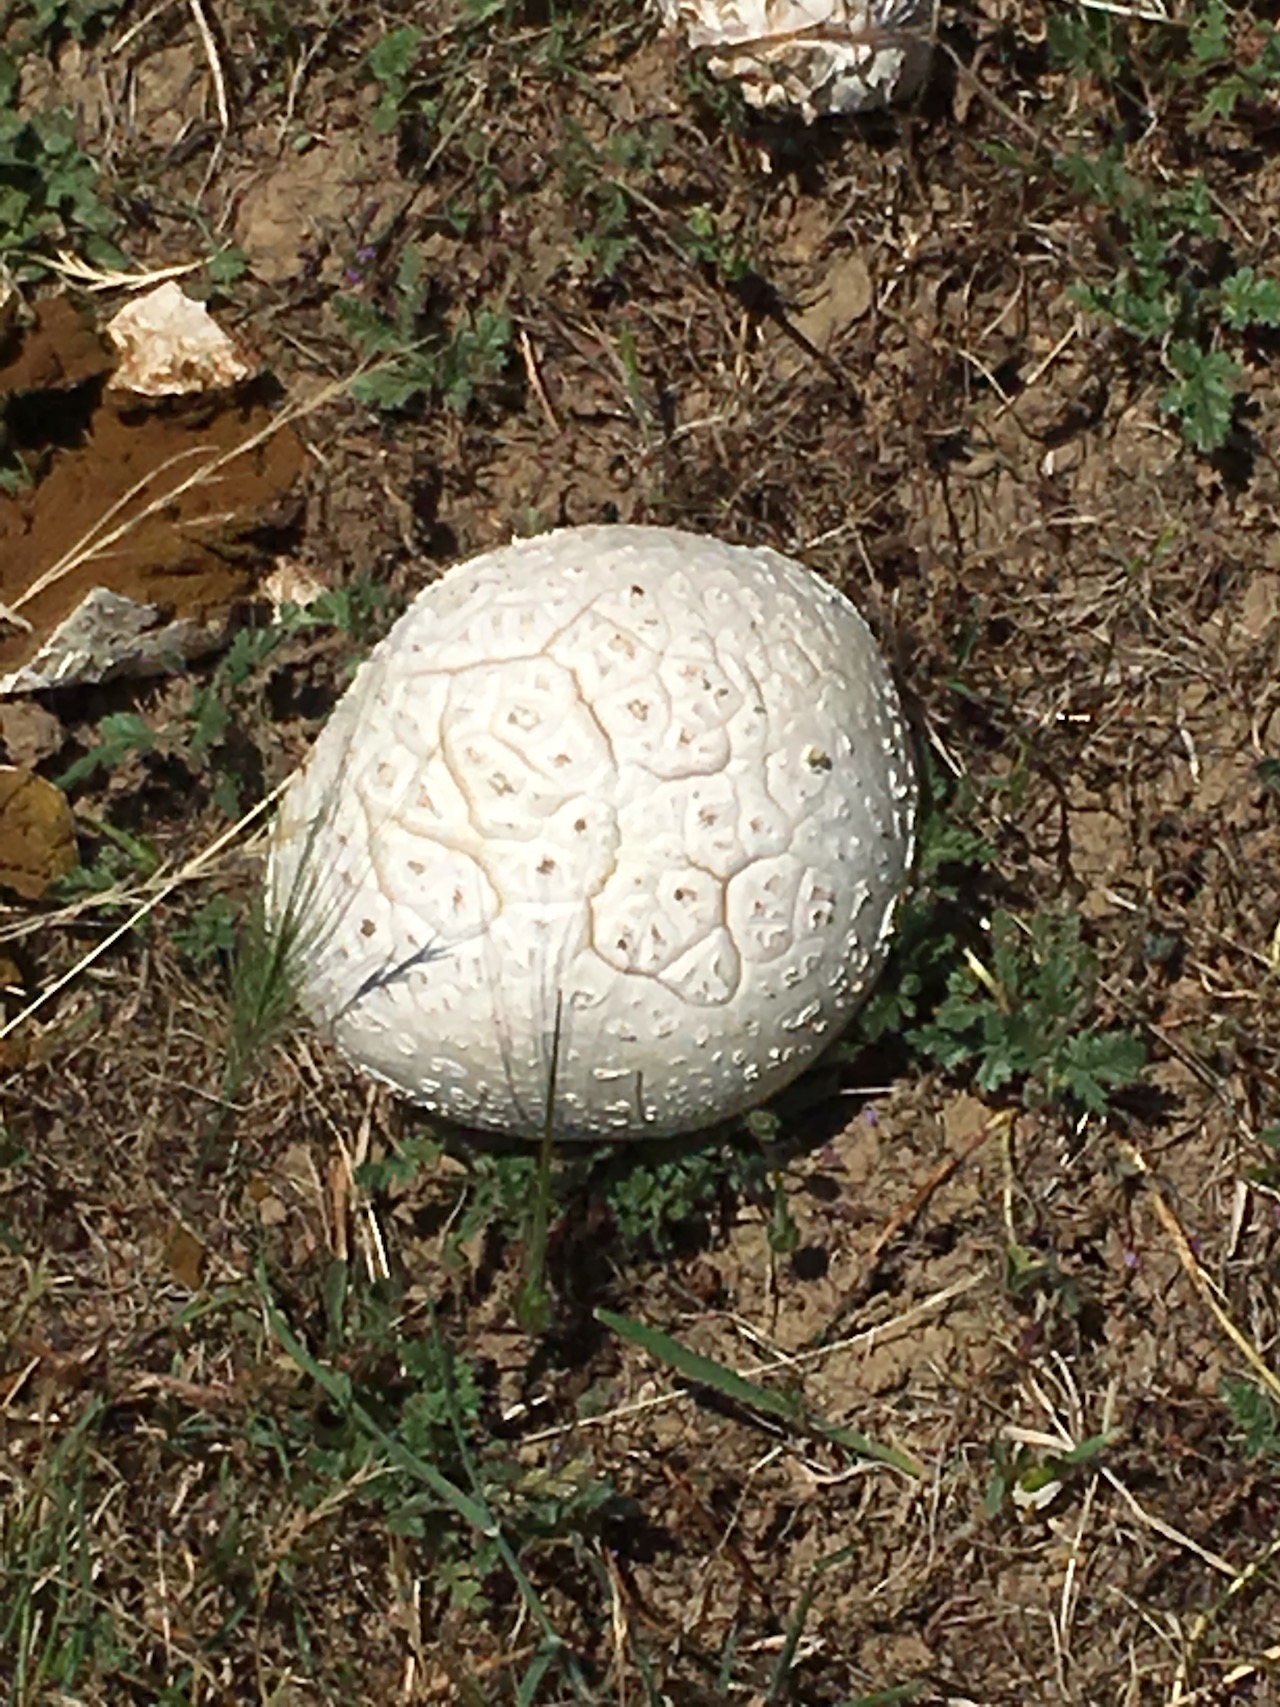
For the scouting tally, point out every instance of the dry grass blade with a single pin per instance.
(1195, 1272)
(190, 870)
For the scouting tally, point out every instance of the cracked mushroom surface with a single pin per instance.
(623, 799)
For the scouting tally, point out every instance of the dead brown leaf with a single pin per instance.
(37, 833)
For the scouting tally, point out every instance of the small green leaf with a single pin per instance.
(334, 1287)
(1254, 1415)
(996, 1491)
(1204, 396)
(1209, 36)
(120, 734)
(1250, 300)
(1220, 102)
(1087, 1450)
(394, 57)
(227, 266)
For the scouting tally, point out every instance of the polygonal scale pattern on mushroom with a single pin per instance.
(625, 796)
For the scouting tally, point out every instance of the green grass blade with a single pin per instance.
(780, 1683)
(705, 1370)
(472, 1511)
(740, 1391)
(338, 1389)
(531, 1682)
(1092, 1448)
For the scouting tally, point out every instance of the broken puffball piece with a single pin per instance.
(811, 57)
(171, 346)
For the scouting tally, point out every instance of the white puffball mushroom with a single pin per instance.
(625, 800)
(811, 56)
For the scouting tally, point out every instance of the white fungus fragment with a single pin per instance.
(811, 56)
(171, 346)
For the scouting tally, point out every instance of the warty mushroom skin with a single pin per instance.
(625, 799)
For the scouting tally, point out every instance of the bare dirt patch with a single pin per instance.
(155, 503)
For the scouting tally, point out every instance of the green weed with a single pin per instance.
(1166, 278)
(1024, 1019)
(711, 239)
(1011, 1002)
(934, 919)
(198, 738)
(1033, 1275)
(36, 23)
(386, 1433)
(209, 935)
(1231, 60)
(121, 859)
(1255, 1416)
(392, 62)
(260, 960)
(610, 185)
(596, 183)
(416, 360)
(121, 735)
(652, 1201)
(436, 1474)
(226, 265)
(50, 191)
(1162, 293)
(1223, 58)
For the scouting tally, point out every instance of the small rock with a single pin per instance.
(28, 732)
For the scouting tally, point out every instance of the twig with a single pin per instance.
(535, 380)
